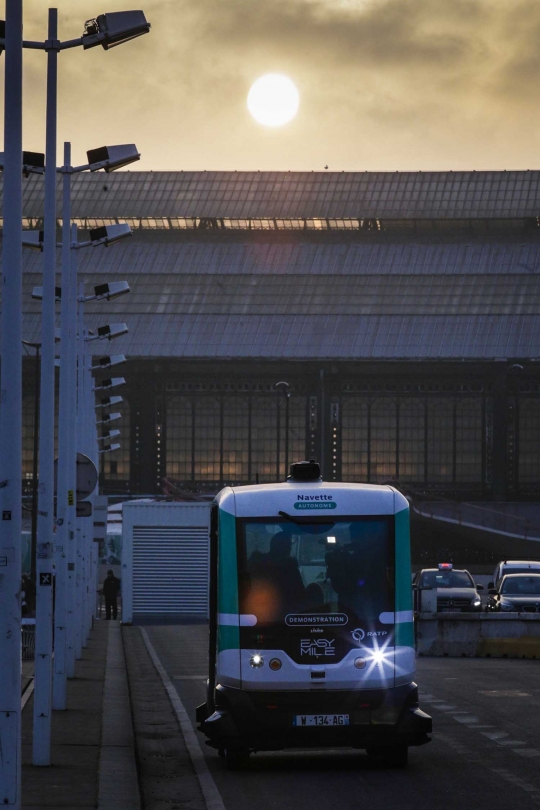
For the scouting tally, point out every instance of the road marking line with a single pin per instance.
(26, 694)
(511, 742)
(211, 794)
(527, 752)
(467, 720)
(494, 735)
(189, 677)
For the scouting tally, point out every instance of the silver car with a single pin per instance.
(516, 593)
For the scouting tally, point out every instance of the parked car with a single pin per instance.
(456, 589)
(514, 567)
(516, 593)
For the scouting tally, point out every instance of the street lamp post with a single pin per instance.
(11, 419)
(106, 30)
(66, 458)
(284, 388)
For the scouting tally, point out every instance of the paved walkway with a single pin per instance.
(93, 761)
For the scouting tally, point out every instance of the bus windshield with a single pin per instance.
(344, 567)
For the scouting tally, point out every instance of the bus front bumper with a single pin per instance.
(265, 721)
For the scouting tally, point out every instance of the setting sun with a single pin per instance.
(273, 100)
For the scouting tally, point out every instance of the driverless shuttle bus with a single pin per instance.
(311, 621)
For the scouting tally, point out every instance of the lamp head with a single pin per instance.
(33, 240)
(109, 234)
(112, 331)
(109, 30)
(110, 158)
(37, 293)
(111, 290)
(111, 382)
(109, 448)
(108, 402)
(109, 417)
(109, 361)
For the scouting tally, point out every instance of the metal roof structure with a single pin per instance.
(327, 195)
(369, 295)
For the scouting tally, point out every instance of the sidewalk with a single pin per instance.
(93, 760)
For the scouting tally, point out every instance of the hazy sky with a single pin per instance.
(384, 84)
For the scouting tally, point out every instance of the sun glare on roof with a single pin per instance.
(273, 100)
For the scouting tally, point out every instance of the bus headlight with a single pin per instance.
(256, 661)
(378, 657)
(360, 663)
(275, 664)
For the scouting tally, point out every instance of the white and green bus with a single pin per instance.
(311, 620)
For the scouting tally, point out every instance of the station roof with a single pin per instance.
(289, 195)
(442, 265)
(392, 299)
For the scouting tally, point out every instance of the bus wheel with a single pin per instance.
(236, 758)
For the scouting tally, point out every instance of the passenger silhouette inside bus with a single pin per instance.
(276, 585)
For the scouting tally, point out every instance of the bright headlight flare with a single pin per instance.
(378, 656)
(256, 661)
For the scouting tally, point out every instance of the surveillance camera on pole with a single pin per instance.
(108, 402)
(109, 30)
(110, 158)
(109, 234)
(112, 382)
(109, 361)
(109, 417)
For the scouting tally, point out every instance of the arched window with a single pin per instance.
(354, 439)
(383, 439)
(529, 441)
(264, 439)
(179, 438)
(469, 440)
(411, 440)
(235, 439)
(207, 439)
(440, 439)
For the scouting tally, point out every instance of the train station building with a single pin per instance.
(399, 310)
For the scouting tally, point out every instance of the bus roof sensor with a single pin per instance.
(305, 471)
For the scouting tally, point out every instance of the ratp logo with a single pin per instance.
(317, 647)
(358, 634)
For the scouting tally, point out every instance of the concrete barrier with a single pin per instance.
(482, 635)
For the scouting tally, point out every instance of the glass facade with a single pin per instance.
(233, 438)
(393, 439)
(529, 441)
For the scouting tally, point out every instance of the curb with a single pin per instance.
(118, 783)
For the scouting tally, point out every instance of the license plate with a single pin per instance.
(450, 610)
(321, 720)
